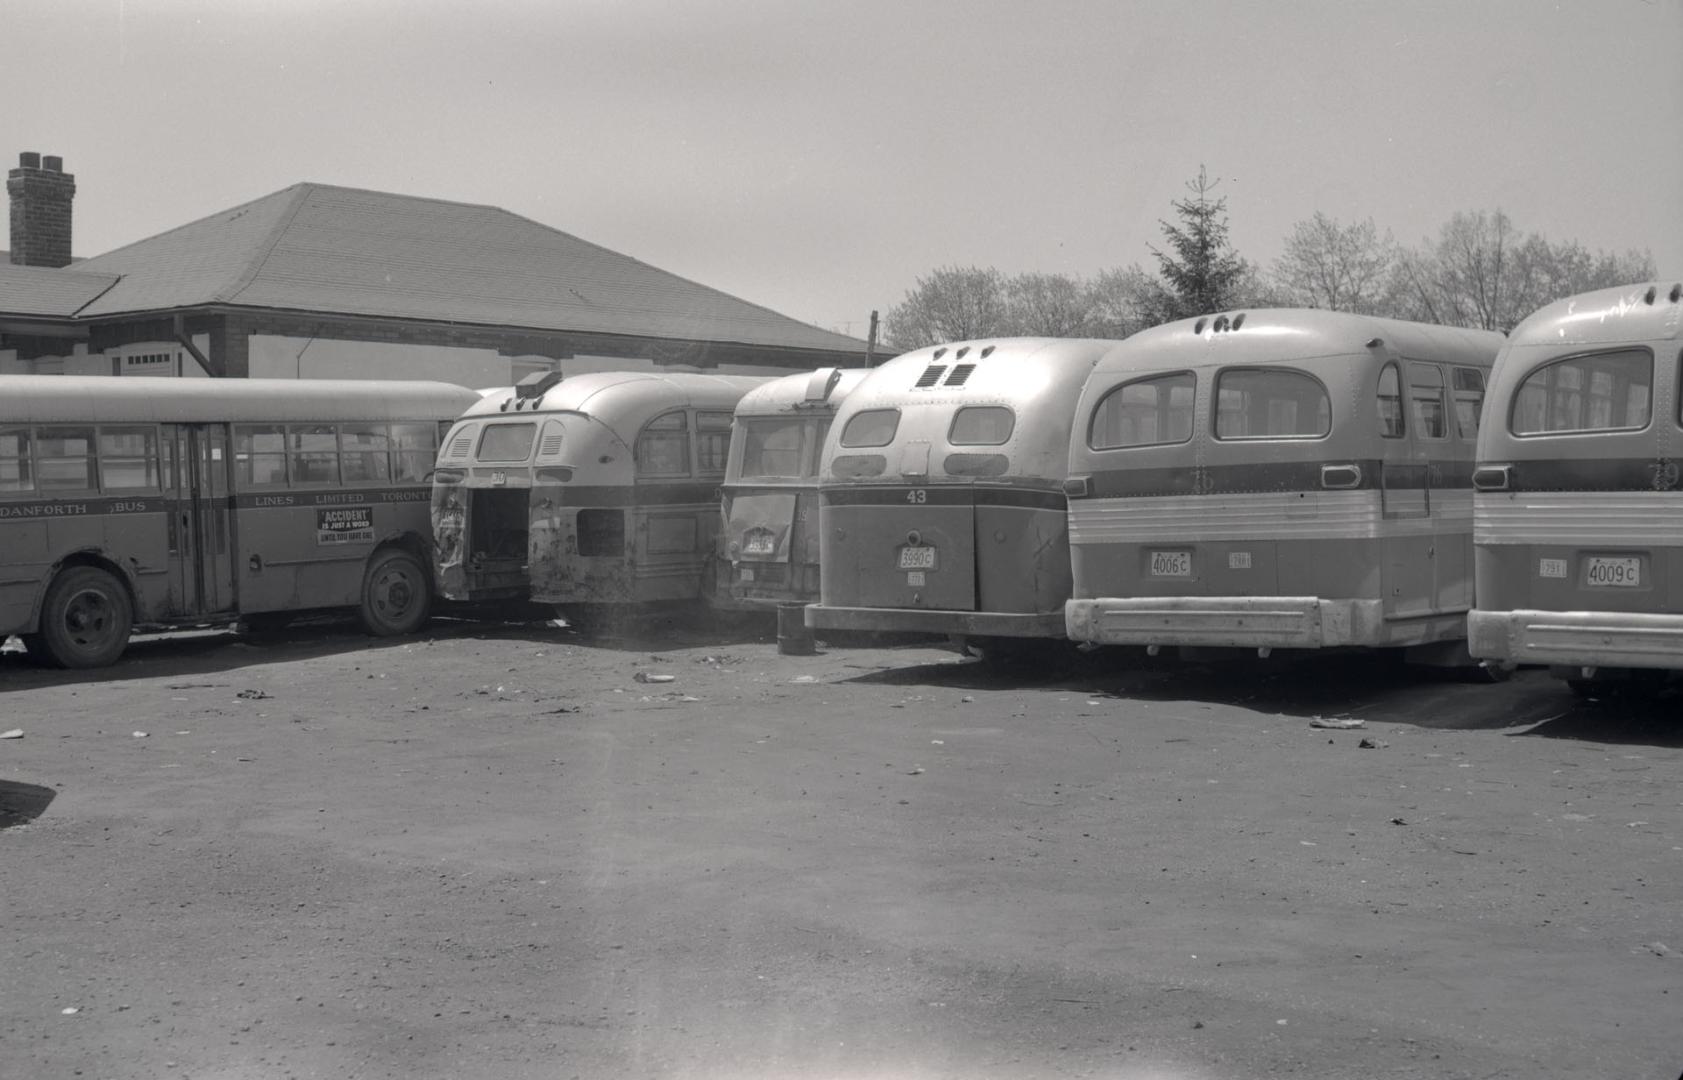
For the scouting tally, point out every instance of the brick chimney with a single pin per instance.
(41, 192)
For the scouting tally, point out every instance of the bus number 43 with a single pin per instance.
(917, 496)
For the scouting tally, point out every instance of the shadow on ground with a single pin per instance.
(22, 803)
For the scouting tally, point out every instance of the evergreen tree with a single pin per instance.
(1201, 273)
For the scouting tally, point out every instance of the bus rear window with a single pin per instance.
(873, 427)
(1146, 412)
(772, 448)
(982, 425)
(1264, 403)
(507, 442)
(1611, 391)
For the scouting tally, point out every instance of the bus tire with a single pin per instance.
(396, 596)
(85, 619)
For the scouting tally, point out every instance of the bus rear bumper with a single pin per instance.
(1274, 622)
(927, 621)
(1611, 639)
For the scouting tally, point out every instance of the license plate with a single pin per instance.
(759, 544)
(917, 558)
(1620, 573)
(1171, 564)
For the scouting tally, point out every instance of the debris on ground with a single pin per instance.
(1371, 744)
(1398, 821)
(804, 679)
(562, 709)
(253, 695)
(1337, 724)
(138, 735)
(15, 733)
(647, 677)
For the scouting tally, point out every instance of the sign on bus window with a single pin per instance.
(1610, 391)
(128, 458)
(64, 459)
(259, 457)
(15, 471)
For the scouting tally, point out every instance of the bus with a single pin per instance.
(155, 503)
(587, 493)
(1578, 500)
(769, 549)
(1278, 479)
(941, 502)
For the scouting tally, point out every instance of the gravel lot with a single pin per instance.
(495, 852)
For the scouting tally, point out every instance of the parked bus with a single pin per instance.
(155, 503)
(1278, 479)
(770, 496)
(1578, 503)
(941, 498)
(594, 490)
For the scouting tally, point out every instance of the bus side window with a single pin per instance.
(64, 459)
(1390, 403)
(712, 442)
(1469, 401)
(15, 472)
(128, 458)
(1608, 391)
(313, 453)
(259, 457)
(413, 448)
(663, 448)
(365, 452)
(1425, 384)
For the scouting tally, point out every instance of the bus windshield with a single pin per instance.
(773, 448)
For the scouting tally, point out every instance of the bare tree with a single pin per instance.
(1048, 305)
(1338, 267)
(1122, 302)
(951, 304)
(1482, 272)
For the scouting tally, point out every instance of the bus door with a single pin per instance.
(1408, 424)
(200, 529)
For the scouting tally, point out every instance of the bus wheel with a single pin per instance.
(395, 596)
(85, 619)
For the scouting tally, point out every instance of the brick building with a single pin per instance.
(329, 282)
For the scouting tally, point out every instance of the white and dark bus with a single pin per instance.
(155, 503)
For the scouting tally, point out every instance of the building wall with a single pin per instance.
(273, 356)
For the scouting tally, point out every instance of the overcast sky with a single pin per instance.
(818, 156)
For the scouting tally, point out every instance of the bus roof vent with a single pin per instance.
(1198, 327)
(961, 372)
(987, 352)
(536, 385)
(942, 351)
(459, 446)
(959, 355)
(1238, 320)
(1677, 292)
(820, 383)
(1648, 298)
(931, 375)
(551, 444)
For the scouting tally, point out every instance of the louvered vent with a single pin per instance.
(459, 447)
(550, 446)
(931, 375)
(960, 373)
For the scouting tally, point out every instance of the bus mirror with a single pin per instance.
(1492, 477)
(1341, 477)
(1075, 487)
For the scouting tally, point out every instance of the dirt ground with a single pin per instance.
(494, 852)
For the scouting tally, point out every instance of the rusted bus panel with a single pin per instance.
(1022, 558)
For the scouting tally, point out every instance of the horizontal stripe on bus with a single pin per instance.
(1609, 519)
(1321, 515)
(95, 506)
(594, 496)
(1592, 474)
(945, 495)
(1272, 476)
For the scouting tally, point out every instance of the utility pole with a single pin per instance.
(871, 342)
